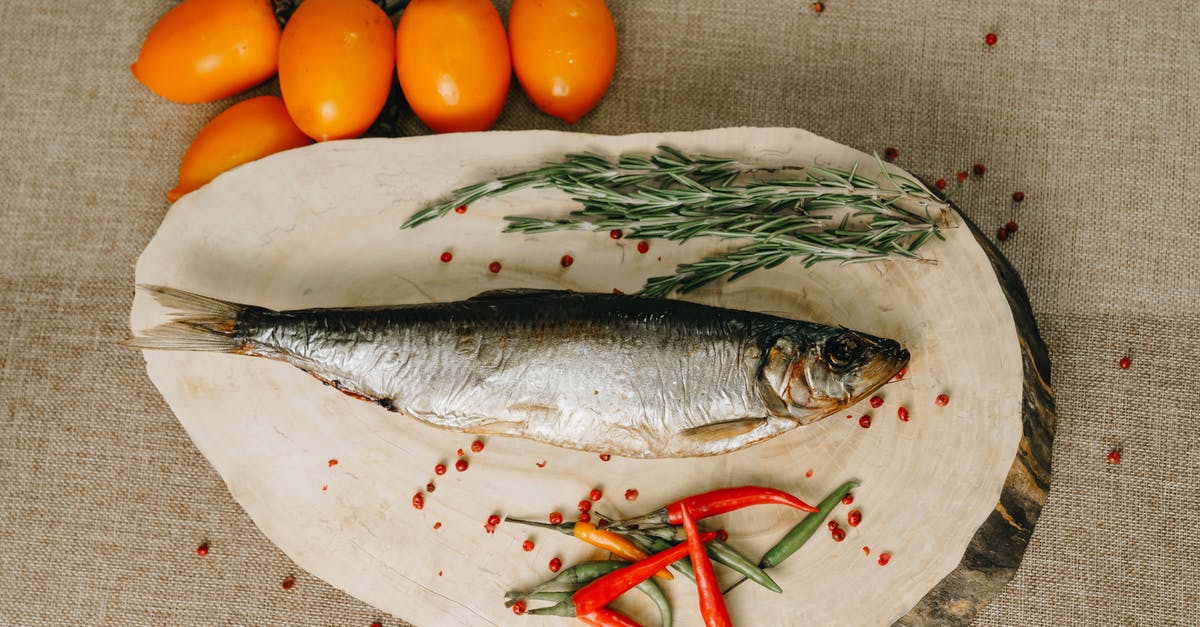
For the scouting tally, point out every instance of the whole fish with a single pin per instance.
(608, 373)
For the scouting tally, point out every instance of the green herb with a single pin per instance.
(825, 214)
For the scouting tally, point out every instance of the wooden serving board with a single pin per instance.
(952, 494)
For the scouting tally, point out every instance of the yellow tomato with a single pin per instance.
(452, 60)
(335, 66)
(249, 130)
(564, 53)
(205, 50)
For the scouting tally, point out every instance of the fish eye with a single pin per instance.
(842, 350)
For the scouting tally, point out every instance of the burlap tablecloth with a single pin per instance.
(1089, 108)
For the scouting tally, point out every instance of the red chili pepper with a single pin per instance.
(604, 590)
(712, 604)
(604, 617)
(726, 500)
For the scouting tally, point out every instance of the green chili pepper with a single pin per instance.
(655, 544)
(564, 584)
(723, 554)
(511, 598)
(804, 530)
(564, 608)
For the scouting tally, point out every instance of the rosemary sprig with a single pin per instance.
(674, 196)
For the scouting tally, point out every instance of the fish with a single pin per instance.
(619, 374)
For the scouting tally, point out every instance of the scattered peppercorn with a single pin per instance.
(1018, 196)
(631, 495)
(961, 177)
(605, 457)
(854, 518)
(493, 519)
(447, 257)
(643, 247)
(555, 564)
(1002, 234)
(489, 527)
(848, 499)
(288, 583)
(460, 465)
(833, 524)
(429, 487)
(990, 39)
(595, 494)
(437, 525)
(900, 375)
(585, 506)
(518, 608)
(890, 153)
(839, 534)
(940, 183)
(866, 550)
(461, 209)
(616, 234)
(903, 414)
(942, 400)
(332, 463)
(566, 261)
(440, 469)
(876, 402)
(527, 546)
(555, 518)
(585, 517)
(1125, 363)
(865, 422)
(477, 446)
(202, 550)
(818, 7)
(459, 452)
(418, 501)
(978, 169)
(884, 558)
(1114, 457)
(494, 267)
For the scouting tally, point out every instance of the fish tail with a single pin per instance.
(200, 323)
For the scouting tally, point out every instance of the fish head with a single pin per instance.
(810, 379)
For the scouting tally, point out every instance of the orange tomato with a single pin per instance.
(335, 66)
(205, 50)
(564, 53)
(452, 60)
(249, 130)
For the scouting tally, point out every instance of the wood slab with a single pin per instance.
(952, 494)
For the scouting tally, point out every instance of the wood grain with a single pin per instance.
(994, 554)
(319, 227)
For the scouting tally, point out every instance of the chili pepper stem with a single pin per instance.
(564, 528)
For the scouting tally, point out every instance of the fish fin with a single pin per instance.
(183, 336)
(723, 430)
(516, 292)
(200, 324)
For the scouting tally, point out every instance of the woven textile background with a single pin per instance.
(1090, 108)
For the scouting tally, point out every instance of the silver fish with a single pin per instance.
(631, 376)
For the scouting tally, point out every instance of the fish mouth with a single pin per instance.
(890, 359)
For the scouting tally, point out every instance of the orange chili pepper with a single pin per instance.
(599, 538)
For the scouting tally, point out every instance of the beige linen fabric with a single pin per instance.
(1090, 108)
